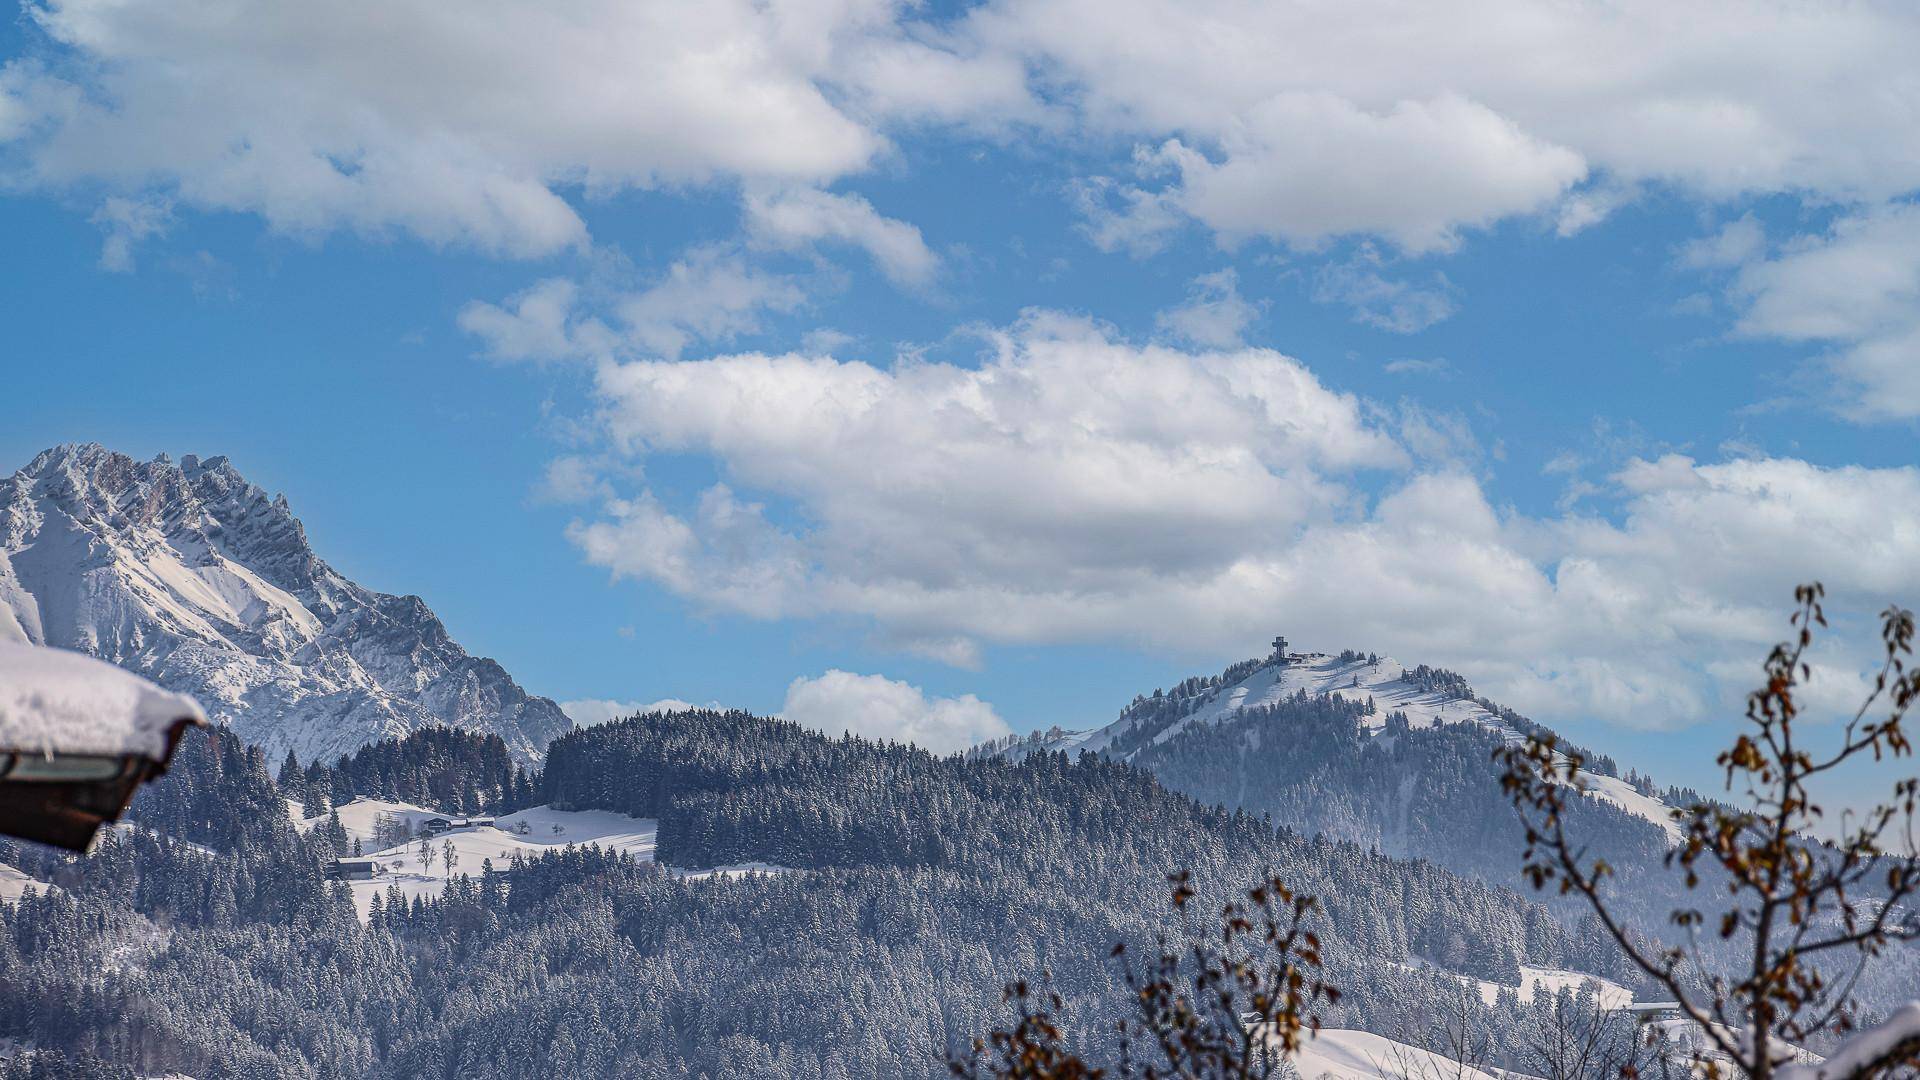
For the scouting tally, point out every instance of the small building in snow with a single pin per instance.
(434, 826)
(354, 869)
(1653, 1012)
(78, 737)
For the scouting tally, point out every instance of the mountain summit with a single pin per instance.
(1364, 749)
(190, 575)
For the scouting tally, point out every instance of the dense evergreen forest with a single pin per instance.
(461, 772)
(206, 940)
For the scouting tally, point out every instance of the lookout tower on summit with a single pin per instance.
(1279, 650)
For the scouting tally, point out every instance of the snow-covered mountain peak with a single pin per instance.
(196, 577)
(1425, 697)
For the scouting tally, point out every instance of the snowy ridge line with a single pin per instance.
(192, 576)
(1426, 697)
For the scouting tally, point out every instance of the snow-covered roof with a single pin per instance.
(57, 702)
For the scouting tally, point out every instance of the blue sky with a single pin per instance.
(1558, 379)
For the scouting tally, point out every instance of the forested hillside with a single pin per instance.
(933, 882)
(1431, 793)
(1415, 778)
(1356, 747)
(461, 772)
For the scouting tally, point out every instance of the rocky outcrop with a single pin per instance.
(192, 576)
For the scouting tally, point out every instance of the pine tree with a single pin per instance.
(292, 781)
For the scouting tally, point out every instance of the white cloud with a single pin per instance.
(1075, 488)
(478, 125)
(1583, 209)
(1437, 437)
(876, 707)
(1737, 243)
(727, 556)
(1215, 315)
(929, 75)
(1391, 304)
(126, 222)
(1414, 122)
(538, 323)
(1068, 460)
(589, 711)
(457, 125)
(1857, 289)
(571, 479)
(1861, 279)
(798, 218)
(1413, 366)
(1124, 217)
(708, 295)
(825, 340)
(16, 114)
(1308, 166)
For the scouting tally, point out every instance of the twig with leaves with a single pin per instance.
(1233, 1003)
(1792, 901)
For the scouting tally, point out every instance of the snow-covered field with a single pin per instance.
(529, 832)
(1344, 1054)
(1539, 980)
(1607, 993)
(14, 882)
(361, 818)
(729, 871)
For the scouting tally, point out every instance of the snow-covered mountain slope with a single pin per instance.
(1424, 701)
(1426, 697)
(197, 579)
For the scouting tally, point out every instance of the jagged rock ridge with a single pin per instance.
(199, 580)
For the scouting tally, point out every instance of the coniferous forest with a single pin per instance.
(205, 939)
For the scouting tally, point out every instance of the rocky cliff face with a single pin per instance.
(192, 576)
